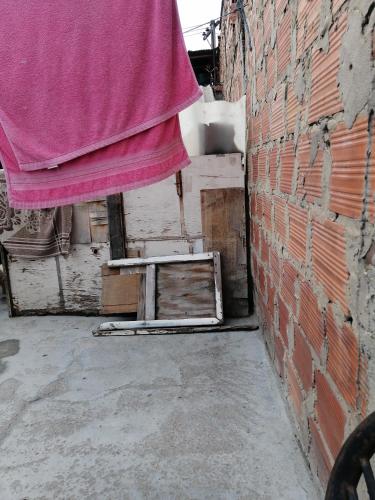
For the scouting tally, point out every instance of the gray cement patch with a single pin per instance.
(355, 75)
(8, 348)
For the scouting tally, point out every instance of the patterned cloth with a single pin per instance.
(6, 213)
(34, 233)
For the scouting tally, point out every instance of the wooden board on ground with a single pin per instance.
(120, 293)
(224, 230)
(232, 325)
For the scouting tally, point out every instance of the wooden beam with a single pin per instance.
(224, 230)
(157, 323)
(116, 225)
(142, 298)
(8, 288)
(161, 260)
(218, 287)
(233, 325)
(150, 306)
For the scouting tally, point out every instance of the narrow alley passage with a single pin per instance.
(187, 417)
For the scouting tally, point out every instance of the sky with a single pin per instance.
(194, 12)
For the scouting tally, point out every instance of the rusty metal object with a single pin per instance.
(352, 462)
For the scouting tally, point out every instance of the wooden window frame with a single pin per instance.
(151, 263)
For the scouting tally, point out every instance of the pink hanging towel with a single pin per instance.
(81, 80)
(143, 159)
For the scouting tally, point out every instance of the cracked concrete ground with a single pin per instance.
(173, 417)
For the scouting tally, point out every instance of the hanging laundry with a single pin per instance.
(34, 233)
(140, 160)
(90, 96)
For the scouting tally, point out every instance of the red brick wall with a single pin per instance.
(312, 186)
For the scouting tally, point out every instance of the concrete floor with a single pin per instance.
(174, 417)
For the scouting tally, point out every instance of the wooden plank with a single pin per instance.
(218, 287)
(79, 282)
(185, 290)
(119, 293)
(161, 260)
(8, 289)
(133, 253)
(208, 172)
(116, 224)
(127, 271)
(35, 285)
(224, 229)
(233, 325)
(179, 184)
(81, 233)
(81, 277)
(98, 214)
(150, 293)
(141, 298)
(157, 248)
(162, 323)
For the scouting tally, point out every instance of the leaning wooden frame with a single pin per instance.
(150, 264)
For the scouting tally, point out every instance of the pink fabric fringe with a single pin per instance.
(118, 167)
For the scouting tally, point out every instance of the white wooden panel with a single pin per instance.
(81, 277)
(36, 288)
(208, 172)
(166, 247)
(160, 260)
(153, 211)
(34, 284)
(157, 323)
(157, 248)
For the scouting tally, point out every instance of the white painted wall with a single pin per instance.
(159, 222)
(214, 127)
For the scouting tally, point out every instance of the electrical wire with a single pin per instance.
(193, 28)
(190, 35)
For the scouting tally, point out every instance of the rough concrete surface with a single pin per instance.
(174, 417)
